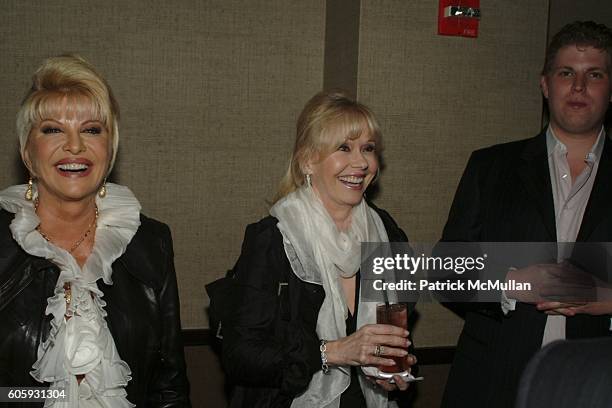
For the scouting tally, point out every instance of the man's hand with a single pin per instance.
(565, 309)
(558, 286)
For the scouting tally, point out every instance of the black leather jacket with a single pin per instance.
(142, 306)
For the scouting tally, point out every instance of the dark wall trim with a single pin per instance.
(197, 337)
(435, 355)
(426, 355)
(341, 58)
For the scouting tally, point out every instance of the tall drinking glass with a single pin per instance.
(395, 314)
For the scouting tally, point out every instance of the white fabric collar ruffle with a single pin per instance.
(82, 344)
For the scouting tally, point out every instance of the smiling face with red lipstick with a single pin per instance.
(68, 151)
(577, 88)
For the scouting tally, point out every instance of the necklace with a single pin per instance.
(67, 286)
(79, 241)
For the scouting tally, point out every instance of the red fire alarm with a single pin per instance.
(459, 17)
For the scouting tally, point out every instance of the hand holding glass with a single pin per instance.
(395, 314)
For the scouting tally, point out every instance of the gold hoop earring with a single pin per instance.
(29, 194)
(102, 191)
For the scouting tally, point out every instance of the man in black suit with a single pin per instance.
(555, 187)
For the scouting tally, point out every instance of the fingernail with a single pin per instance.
(404, 352)
(408, 343)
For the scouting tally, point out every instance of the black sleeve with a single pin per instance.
(464, 222)
(169, 387)
(270, 341)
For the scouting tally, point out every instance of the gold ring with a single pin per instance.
(378, 351)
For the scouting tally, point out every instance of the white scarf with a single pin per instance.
(321, 254)
(83, 344)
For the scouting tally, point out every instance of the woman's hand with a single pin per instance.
(398, 382)
(359, 348)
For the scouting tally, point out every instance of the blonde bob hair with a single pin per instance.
(68, 80)
(328, 120)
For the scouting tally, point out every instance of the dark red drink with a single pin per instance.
(395, 314)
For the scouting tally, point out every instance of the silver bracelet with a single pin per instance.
(323, 349)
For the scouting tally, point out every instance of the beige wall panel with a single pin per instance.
(438, 98)
(209, 92)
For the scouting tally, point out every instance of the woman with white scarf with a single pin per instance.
(89, 309)
(294, 331)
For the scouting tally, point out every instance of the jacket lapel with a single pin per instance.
(535, 175)
(600, 201)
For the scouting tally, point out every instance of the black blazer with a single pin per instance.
(270, 346)
(505, 195)
(142, 306)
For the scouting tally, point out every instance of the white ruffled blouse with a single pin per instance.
(82, 344)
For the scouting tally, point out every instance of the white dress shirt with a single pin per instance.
(570, 198)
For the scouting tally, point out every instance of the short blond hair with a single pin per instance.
(68, 77)
(328, 120)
